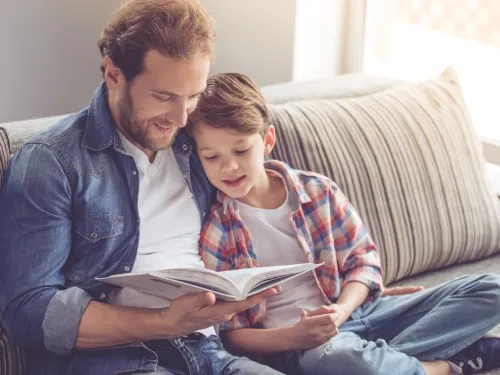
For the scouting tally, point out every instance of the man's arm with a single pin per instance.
(107, 325)
(35, 241)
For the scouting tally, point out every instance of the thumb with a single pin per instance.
(303, 314)
(196, 302)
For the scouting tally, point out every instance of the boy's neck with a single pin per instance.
(269, 194)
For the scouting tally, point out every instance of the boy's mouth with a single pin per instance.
(234, 182)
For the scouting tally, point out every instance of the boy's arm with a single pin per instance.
(357, 255)
(311, 331)
(217, 253)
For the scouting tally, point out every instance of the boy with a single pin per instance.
(332, 320)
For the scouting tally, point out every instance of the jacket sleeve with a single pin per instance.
(35, 241)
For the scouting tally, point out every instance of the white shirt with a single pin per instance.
(275, 243)
(170, 223)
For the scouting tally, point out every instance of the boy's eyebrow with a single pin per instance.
(206, 148)
(171, 93)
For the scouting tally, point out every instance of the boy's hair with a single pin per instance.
(176, 28)
(232, 101)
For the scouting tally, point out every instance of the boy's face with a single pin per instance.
(233, 161)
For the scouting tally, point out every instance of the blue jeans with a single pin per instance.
(200, 355)
(393, 334)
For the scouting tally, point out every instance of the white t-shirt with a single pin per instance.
(170, 223)
(275, 243)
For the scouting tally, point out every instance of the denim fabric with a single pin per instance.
(392, 334)
(68, 215)
(204, 356)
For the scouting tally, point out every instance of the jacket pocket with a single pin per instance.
(96, 238)
(97, 226)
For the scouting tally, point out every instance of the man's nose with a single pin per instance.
(180, 114)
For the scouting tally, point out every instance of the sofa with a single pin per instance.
(404, 153)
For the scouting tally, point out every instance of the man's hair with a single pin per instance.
(176, 28)
(232, 101)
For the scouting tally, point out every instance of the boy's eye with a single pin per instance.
(210, 157)
(241, 152)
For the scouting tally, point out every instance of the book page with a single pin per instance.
(247, 278)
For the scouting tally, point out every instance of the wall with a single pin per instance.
(49, 62)
(254, 37)
(49, 58)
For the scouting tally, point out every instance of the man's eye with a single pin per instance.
(163, 98)
(241, 152)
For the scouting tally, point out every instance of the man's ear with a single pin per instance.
(269, 140)
(112, 74)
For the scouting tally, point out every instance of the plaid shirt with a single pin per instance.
(328, 229)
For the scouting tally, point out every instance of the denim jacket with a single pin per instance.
(68, 214)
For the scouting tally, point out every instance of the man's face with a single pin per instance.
(155, 105)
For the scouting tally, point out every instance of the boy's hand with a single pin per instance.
(314, 328)
(341, 313)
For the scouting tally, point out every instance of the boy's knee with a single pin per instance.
(355, 358)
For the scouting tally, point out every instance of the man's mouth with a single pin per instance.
(234, 182)
(165, 129)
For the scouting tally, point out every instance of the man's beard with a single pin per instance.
(137, 129)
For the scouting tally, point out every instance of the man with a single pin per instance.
(115, 189)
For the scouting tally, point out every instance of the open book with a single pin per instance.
(233, 285)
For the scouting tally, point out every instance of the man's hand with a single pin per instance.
(191, 313)
(401, 290)
(314, 328)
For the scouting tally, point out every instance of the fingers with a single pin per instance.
(330, 329)
(224, 309)
(322, 320)
(401, 290)
(321, 311)
(194, 302)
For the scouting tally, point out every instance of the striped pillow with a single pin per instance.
(4, 152)
(410, 162)
(12, 361)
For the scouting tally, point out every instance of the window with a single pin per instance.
(415, 39)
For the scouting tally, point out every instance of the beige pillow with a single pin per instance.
(410, 162)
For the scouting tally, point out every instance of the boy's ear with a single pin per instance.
(269, 140)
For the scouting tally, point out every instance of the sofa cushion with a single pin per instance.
(410, 162)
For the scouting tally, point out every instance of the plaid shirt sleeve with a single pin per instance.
(217, 252)
(357, 255)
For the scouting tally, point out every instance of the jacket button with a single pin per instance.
(134, 172)
(126, 268)
(93, 236)
(185, 147)
(102, 296)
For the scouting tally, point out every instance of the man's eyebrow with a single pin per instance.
(171, 93)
